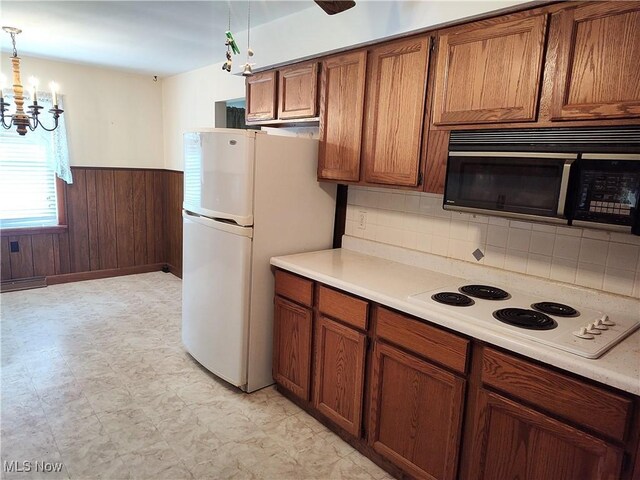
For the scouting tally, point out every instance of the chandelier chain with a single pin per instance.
(13, 40)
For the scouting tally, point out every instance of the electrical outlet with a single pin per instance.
(362, 220)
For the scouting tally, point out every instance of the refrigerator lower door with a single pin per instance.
(216, 296)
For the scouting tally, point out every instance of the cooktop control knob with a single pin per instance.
(582, 333)
(605, 321)
(600, 325)
(591, 328)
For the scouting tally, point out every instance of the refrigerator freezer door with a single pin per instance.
(218, 174)
(216, 296)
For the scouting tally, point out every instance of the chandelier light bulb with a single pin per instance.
(34, 82)
(54, 87)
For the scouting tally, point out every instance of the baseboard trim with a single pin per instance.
(22, 284)
(174, 270)
(97, 274)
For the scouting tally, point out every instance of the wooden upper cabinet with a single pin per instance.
(261, 97)
(298, 91)
(598, 62)
(341, 115)
(394, 106)
(513, 441)
(415, 414)
(489, 72)
(292, 347)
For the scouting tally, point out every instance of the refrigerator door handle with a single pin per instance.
(218, 225)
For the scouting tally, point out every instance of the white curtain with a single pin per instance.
(59, 158)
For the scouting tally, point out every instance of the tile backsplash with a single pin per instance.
(597, 259)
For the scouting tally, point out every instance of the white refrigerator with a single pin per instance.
(248, 196)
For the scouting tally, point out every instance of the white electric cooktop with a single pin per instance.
(581, 331)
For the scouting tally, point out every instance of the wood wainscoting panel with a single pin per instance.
(5, 266)
(106, 213)
(139, 206)
(22, 260)
(123, 195)
(173, 221)
(61, 253)
(77, 216)
(117, 218)
(92, 220)
(43, 254)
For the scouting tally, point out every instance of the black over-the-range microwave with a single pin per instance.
(587, 177)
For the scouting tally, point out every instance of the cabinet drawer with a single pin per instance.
(294, 288)
(430, 342)
(343, 307)
(584, 404)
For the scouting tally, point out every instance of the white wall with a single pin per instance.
(113, 118)
(188, 98)
(188, 102)
(596, 259)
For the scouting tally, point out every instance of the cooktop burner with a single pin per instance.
(453, 298)
(485, 292)
(558, 309)
(529, 319)
(581, 330)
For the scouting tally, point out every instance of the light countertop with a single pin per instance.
(391, 283)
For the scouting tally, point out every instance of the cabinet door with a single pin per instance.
(297, 91)
(339, 374)
(341, 115)
(513, 441)
(489, 72)
(395, 100)
(598, 62)
(292, 347)
(261, 97)
(416, 414)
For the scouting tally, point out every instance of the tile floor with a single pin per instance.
(94, 376)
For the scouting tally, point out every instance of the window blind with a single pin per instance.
(27, 182)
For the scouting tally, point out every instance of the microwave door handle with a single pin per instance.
(564, 183)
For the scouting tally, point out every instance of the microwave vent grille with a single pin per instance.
(623, 139)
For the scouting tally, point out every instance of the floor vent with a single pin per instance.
(23, 284)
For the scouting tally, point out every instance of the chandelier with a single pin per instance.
(20, 119)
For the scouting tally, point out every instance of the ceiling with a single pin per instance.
(155, 37)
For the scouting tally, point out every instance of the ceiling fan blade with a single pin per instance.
(334, 7)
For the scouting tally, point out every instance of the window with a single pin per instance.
(28, 168)
(27, 181)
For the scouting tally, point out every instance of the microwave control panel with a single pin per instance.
(609, 197)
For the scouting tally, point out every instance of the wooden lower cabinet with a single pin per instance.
(513, 441)
(339, 373)
(522, 420)
(415, 414)
(292, 347)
